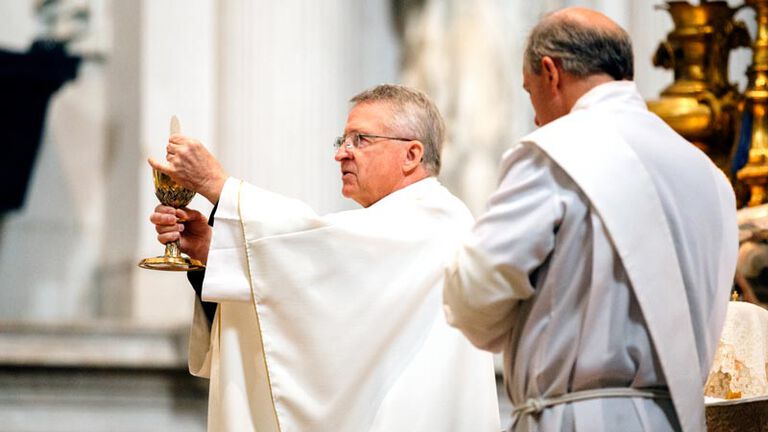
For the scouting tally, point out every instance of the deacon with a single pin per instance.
(335, 323)
(603, 265)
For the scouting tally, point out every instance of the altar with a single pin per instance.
(736, 392)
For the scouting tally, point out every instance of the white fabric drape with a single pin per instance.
(339, 323)
(551, 275)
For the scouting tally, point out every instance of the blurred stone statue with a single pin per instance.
(456, 52)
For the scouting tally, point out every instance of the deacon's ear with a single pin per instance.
(414, 154)
(551, 72)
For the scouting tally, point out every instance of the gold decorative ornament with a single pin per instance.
(171, 194)
(701, 104)
(754, 175)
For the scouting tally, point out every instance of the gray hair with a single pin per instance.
(414, 115)
(582, 50)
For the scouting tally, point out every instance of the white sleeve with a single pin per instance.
(492, 271)
(199, 354)
(264, 214)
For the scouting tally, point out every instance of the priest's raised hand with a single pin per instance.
(191, 165)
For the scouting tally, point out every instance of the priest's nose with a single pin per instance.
(342, 153)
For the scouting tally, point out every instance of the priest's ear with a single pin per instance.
(551, 73)
(414, 152)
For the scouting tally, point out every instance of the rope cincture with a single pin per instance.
(537, 405)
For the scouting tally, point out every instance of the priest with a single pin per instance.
(335, 322)
(603, 265)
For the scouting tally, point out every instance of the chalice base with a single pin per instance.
(167, 263)
(173, 260)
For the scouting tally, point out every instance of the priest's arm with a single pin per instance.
(268, 214)
(226, 278)
(497, 265)
(190, 164)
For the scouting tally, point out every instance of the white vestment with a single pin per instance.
(610, 237)
(335, 323)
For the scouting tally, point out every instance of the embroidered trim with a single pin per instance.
(218, 327)
(255, 307)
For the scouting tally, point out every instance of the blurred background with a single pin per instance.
(90, 342)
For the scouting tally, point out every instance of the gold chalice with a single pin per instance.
(171, 194)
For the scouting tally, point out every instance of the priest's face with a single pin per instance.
(374, 169)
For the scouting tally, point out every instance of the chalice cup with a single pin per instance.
(171, 194)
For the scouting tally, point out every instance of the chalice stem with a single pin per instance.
(173, 249)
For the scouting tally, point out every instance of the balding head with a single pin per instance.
(584, 42)
(587, 18)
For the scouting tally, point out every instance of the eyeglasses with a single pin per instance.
(358, 140)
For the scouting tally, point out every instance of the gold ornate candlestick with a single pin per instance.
(171, 194)
(754, 133)
(701, 104)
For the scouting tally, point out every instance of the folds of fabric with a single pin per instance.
(335, 322)
(607, 231)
